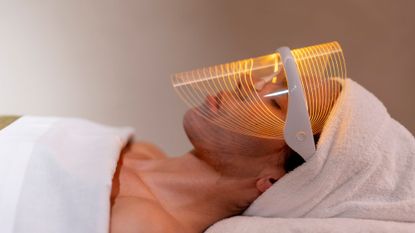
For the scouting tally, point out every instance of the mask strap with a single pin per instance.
(297, 130)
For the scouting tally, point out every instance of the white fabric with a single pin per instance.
(244, 224)
(56, 175)
(361, 177)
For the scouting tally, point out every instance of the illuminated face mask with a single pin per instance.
(288, 94)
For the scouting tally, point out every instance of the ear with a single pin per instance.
(266, 182)
(272, 170)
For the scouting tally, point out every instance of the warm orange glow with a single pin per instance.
(245, 89)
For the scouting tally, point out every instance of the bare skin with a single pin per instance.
(219, 178)
(183, 194)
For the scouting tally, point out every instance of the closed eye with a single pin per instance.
(275, 104)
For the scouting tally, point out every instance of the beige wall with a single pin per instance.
(110, 61)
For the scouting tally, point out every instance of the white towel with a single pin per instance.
(244, 224)
(361, 179)
(56, 175)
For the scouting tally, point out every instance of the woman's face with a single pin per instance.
(222, 145)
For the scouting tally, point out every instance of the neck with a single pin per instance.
(194, 193)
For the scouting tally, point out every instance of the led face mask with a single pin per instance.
(288, 94)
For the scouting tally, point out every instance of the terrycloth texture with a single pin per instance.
(56, 175)
(244, 224)
(364, 169)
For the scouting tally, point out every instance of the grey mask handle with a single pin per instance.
(297, 130)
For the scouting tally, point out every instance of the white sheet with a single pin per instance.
(56, 174)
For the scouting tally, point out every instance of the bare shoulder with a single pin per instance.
(134, 208)
(137, 215)
(144, 150)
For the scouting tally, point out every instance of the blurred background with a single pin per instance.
(111, 61)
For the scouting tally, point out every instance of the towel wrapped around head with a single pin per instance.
(363, 170)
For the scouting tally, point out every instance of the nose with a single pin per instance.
(212, 103)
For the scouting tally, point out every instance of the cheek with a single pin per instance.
(255, 116)
(207, 136)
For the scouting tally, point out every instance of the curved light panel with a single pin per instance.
(250, 96)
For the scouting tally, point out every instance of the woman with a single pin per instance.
(220, 177)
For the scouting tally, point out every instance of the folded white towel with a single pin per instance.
(364, 169)
(56, 175)
(244, 224)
